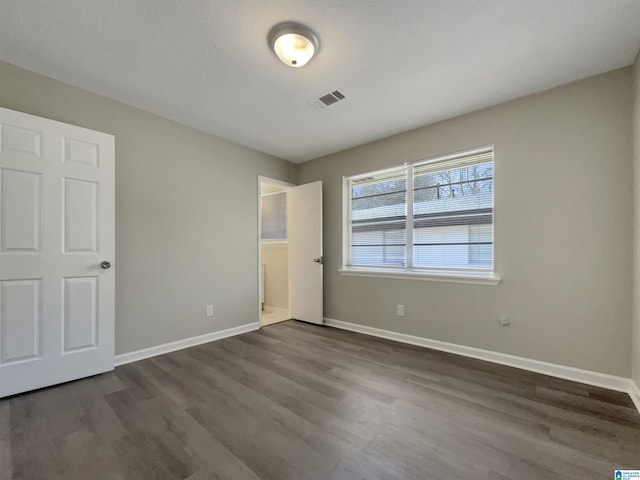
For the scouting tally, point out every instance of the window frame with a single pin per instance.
(474, 275)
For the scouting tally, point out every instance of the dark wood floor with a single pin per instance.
(297, 401)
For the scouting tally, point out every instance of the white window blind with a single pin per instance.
(446, 215)
(379, 219)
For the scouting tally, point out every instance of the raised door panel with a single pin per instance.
(20, 211)
(80, 313)
(20, 140)
(80, 216)
(83, 153)
(20, 305)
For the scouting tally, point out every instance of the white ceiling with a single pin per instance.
(401, 63)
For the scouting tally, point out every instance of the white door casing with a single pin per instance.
(57, 224)
(305, 252)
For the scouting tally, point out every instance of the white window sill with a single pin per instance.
(477, 278)
(274, 243)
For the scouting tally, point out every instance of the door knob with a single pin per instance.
(319, 260)
(106, 265)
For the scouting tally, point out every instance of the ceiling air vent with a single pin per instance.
(328, 99)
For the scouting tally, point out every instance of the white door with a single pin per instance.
(305, 256)
(57, 225)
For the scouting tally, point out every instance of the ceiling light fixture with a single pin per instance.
(293, 43)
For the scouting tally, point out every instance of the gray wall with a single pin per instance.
(563, 235)
(186, 213)
(563, 223)
(636, 222)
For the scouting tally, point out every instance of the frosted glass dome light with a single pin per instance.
(294, 44)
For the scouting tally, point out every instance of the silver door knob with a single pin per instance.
(106, 265)
(319, 260)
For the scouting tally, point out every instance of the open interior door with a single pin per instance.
(305, 257)
(57, 241)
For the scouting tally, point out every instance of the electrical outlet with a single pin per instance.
(209, 311)
(504, 321)
(401, 310)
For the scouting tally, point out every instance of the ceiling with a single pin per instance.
(401, 63)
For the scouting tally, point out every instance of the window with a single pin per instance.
(274, 217)
(428, 218)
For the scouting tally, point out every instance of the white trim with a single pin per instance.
(273, 193)
(273, 181)
(409, 250)
(453, 155)
(490, 278)
(129, 357)
(262, 179)
(274, 243)
(360, 176)
(634, 393)
(597, 379)
(346, 221)
(452, 277)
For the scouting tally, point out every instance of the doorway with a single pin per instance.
(290, 261)
(274, 251)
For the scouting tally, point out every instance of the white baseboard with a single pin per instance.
(588, 377)
(603, 380)
(634, 393)
(129, 357)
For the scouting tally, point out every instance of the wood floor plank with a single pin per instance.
(303, 402)
(5, 442)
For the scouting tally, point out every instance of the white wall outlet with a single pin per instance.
(504, 321)
(401, 310)
(209, 311)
